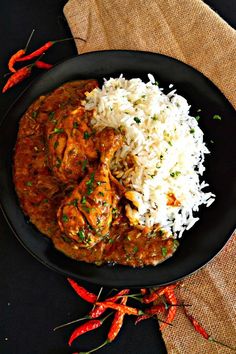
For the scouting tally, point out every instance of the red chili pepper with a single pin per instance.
(197, 326)
(141, 318)
(82, 292)
(203, 332)
(17, 77)
(43, 49)
(114, 329)
(157, 293)
(171, 298)
(124, 309)
(15, 57)
(143, 291)
(42, 65)
(99, 310)
(155, 309)
(117, 322)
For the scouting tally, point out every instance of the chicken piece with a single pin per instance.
(69, 139)
(70, 145)
(86, 215)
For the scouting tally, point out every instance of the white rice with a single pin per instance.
(167, 147)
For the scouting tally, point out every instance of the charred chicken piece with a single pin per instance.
(86, 215)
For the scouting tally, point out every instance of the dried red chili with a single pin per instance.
(99, 310)
(86, 327)
(15, 57)
(155, 295)
(141, 318)
(17, 77)
(117, 322)
(203, 332)
(124, 309)
(155, 309)
(171, 298)
(143, 291)
(114, 329)
(42, 65)
(44, 48)
(82, 292)
(197, 326)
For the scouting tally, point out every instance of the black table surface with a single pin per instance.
(34, 299)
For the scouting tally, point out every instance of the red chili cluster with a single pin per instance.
(155, 301)
(19, 75)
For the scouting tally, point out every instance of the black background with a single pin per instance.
(34, 299)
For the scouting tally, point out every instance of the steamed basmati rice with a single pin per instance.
(163, 152)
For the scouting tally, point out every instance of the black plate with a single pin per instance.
(207, 237)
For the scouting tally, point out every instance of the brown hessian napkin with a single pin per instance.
(192, 32)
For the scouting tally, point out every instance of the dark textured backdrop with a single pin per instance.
(33, 299)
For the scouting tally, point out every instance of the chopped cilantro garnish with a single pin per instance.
(155, 117)
(197, 118)
(51, 115)
(29, 183)
(217, 117)
(55, 144)
(58, 162)
(84, 164)
(175, 174)
(81, 235)
(114, 210)
(86, 209)
(86, 135)
(176, 244)
(65, 218)
(191, 131)
(34, 114)
(75, 125)
(135, 249)
(89, 184)
(137, 120)
(57, 131)
(74, 202)
(83, 200)
(164, 251)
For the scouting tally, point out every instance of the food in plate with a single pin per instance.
(111, 174)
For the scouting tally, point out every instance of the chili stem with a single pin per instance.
(95, 349)
(98, 296)
(28, 42)
(68, 39)
(71, 322)
(224, 345)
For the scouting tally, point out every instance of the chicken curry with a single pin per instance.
(65, 186)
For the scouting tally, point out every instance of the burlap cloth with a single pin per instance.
(193, 33)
